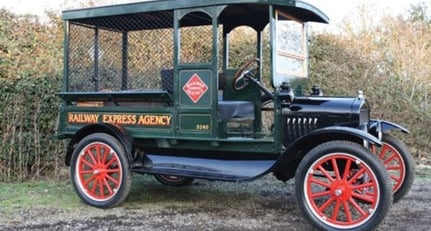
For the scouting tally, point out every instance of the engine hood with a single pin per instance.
(327, 111)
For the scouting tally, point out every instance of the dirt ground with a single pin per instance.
(265, 204)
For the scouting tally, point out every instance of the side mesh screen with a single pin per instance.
(120, 53)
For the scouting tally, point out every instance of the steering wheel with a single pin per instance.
(244, 72)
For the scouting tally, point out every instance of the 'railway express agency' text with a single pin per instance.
(120, 119)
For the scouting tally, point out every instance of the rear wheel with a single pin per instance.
(341, 185)
(172, 180)
(399, 164)
(100, 171)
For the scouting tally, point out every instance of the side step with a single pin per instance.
(226, 170)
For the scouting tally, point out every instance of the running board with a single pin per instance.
(227, 170)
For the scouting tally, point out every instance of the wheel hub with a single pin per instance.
(341, 190)
(99, 171)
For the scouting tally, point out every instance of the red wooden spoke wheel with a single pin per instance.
(346, 196)
(100, 171)
(341, 185)
(393, 163)
(399, 164)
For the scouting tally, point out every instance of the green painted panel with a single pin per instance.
(197, 123)
(195, 87)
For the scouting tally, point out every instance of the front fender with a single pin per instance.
(286, 165)
(339, 132)
(322, 135)
(378, 127)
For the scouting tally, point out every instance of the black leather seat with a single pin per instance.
(235, 109)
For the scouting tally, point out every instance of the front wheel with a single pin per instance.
(340, 185)
(398, 162)
(100, 171)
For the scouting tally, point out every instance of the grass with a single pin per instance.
(423, 174)
(62, 196)
(37, 194)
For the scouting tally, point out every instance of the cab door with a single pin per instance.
(196, 73)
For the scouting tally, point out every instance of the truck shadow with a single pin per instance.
(265, 202)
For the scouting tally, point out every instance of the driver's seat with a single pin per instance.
(237, 118)
(235, 110)
(232, 108)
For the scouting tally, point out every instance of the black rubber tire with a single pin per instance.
(99, 166)
(357, 157)
(172, 180)
(408, 163)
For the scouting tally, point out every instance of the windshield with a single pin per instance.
(290, 50)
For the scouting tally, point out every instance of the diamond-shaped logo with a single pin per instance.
(195, 88)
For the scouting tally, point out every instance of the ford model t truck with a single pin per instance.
(157, 88)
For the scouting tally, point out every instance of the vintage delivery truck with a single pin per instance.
(157, 88)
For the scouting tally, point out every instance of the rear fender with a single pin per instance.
(120, 134)
(286, 165)
(378, 127)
